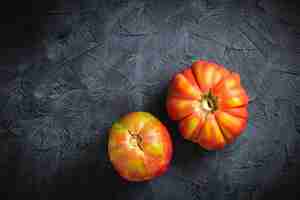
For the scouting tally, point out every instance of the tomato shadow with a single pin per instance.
(9, 151)
(90, 174)
(94, 176)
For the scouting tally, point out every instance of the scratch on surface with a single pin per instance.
(42, 149)
(135, 34)
(286, 72)
(288, 157)
(230, 48)
(286, 150)
(73, 58)
(207, 16)
(124, 76)
(62, 97)
(89, 54)
(227, 48)
(175, 14)
(86, 31)
(253, 43)
(197, 35)
(192, 181)
(101, 61)
(125, 32)
(37, 128)
(70, 12)
(6, 132)
(66, 138)
(122, 13)
(268, 39)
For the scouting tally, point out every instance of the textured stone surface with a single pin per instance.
(71, 68)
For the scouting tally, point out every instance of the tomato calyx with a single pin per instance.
(136, 140)
(209, 102)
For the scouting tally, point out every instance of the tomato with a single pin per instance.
(139, 147)
(209, 103)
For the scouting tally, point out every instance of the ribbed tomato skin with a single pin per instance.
(211, 129)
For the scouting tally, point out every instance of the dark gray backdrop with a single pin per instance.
(69, 68)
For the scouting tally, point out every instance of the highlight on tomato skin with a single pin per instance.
(209, 103)
(139, 147)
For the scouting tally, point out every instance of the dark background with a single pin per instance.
(69, 68)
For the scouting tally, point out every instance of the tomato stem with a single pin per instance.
(136, 140)
(209, 102)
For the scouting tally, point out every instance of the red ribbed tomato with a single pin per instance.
(209, 103)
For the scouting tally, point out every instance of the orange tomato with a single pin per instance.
(139, 147)
(209, 103)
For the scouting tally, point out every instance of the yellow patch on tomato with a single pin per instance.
(209, 72)
(234, 101)
(136, 165)
(154, 149)
(192, 123)
(118, 133)
(135, 121)
(144, 116)
(230, 83)
(118, 128)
